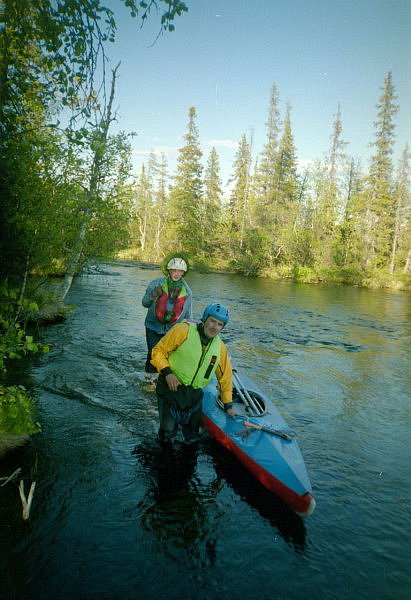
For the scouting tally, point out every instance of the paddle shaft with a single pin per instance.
(244, 395)
(280, 433)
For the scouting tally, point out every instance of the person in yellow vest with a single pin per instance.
(186, 358)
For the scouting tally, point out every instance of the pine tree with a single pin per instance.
(285, 208)
(186, 202)
(335, 166)
(264, 179)
(240, 196)
(401, 239)
(350, 231)
(379, 221)
(212, 204)
(286, 180)
(329, 202)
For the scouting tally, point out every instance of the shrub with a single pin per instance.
(17, 412)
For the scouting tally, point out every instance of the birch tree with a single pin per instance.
(98, 172)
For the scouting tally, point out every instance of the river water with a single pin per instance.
(113, 517)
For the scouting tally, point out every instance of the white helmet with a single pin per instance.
(177, 263)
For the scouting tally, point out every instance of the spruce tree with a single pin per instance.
(186, 202)
(329, 201)
(212, 204)
(379, 222)
(264, 180)
(335, 167)
(240, 196)
(284, 210)
(401, 239)
(286, 179)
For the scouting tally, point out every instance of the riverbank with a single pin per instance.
(20, 318)
(376, 279)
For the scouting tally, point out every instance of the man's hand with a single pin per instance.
(231, 412)
(172, 382)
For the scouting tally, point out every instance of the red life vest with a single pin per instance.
(161, 304)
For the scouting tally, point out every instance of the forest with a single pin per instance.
(334, 222)
(69, 194)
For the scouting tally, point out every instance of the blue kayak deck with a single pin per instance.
(276, 462)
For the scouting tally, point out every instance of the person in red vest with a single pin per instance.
(187, 357)
(168, 300)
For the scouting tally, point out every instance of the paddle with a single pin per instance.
(286, 435)
(245, 396)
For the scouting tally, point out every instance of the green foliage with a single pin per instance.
(56, 48)
(333, 223)
(14, 343)
(44, 306)
(253, 259)
(18, 415)
(51, 55)
(17, 410)
(304, 274)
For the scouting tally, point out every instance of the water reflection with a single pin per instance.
(183, 512)
(175, 507)
(277, 513)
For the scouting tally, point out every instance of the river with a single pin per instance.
(113, 517)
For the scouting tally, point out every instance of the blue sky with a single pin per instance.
(225, 55)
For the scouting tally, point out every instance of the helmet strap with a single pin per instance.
(204, 339)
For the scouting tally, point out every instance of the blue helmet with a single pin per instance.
(216, 310)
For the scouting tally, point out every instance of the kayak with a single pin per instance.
(260, 438)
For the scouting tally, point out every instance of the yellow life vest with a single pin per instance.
(192, 364)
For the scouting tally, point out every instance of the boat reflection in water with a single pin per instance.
(280, 516)
(187, 489)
